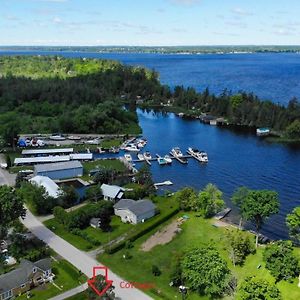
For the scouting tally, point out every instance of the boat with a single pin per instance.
(262, 131)
(161, 161)
(74, 138)
(100, 150)
(147, 155)
(199, 155)
(128, 157)
(132, 148)
(93, 142)
(114, 150)
(168, 159)
(57, 137)
(141, 143)
(176, 152)
(141, 157)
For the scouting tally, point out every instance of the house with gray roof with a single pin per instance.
(134, 212)
(26, 276)
(112, 192)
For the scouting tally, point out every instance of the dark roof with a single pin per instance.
(95, 221)
(136, 207)
(20, 275)
(58, 166)
(112, 191)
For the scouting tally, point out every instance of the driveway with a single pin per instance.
(5, 177)
(78, 258)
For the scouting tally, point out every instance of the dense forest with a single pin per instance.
(54, 94)
(46, 94)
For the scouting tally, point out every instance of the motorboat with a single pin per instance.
(57, 137)
(147, 155)
(128, 157)
(176, 152)
(168, 159)
(74, 138)
(132, 148)
(162, 161)
(199, 155)
(141, 157)
(93, 142)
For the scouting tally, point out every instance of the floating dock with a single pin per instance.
(164, 183)
(182, 159)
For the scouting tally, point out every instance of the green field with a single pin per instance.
(66, 278)
(111, 143)
(196, 232)
(104, 163)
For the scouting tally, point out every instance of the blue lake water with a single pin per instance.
(235, 158)
(272, 76)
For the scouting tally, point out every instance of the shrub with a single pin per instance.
(155, 270)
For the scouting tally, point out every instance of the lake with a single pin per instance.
(235, 158)
(272, 76)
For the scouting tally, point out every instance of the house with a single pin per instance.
(95, 222)
(24, 278)
(48, 184)
(112, 192)
(134, 212)
(62, 170)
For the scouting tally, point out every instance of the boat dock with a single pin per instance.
(164, 183)
(222, 214)
(182, 159)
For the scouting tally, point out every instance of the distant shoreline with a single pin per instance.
(181, 50)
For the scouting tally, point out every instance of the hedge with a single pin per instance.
(131, 238)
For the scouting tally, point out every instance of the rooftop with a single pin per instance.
(58, 166)
(138, 207)
(112, 191)
(50, 186)
(47, 151)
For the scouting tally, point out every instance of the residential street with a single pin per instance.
(78, 258)
(5, 177)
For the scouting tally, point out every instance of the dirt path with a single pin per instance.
(162, 236)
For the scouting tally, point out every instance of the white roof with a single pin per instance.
(47, 151)
(41, 159)
(81, 156)
(112, 191)
(50, 186)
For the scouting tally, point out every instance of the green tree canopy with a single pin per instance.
(293, 130)
(253, 288)
(205, 272)
(281, 261)
(187, 198)
(293, 223)
(258, 206)
(11, 208)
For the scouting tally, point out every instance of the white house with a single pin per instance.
(134, 212)
(48, 184)
(112, 192)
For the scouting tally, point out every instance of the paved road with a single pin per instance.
(78, 258)
(71, 293)
(5, 177)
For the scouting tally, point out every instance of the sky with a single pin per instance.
(149, 22)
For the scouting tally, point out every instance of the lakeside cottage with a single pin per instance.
(134, 212)
(24, 278)
(112, 192)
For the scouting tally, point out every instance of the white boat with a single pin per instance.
(141, 157)
(168, 159)
(147, 156)
(132, 148)
(128, 157)
(57, 137)
(74, 138)
(176, 152)
(93, 142)
(262, 131)
(199, 155)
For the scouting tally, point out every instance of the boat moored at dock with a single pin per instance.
(199, 155)
(128, 157)
(176, 153)
(132, 148)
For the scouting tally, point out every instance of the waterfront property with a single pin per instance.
(134, 212)
(112, 192)
(59, 170)
(48, 184)
(25, 277)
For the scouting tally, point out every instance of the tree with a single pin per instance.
(144, 176)
(258, 206)
(238, 197)
(253, 288)
(94, 193)
(293, 223)
(100, 284)
(187, 199)
(11, 208)
(293, 130)
(204, 271)
(240, 245)
(210, 200)
(281, 261)
(69, 196)
(10, 131)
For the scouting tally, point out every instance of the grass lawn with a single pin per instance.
(119, 228)
(196, 232)
(115, 164)
(111, 143)
(66, 277)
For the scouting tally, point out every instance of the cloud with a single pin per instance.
(241, 12)
(57, 20)
(236, 24)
